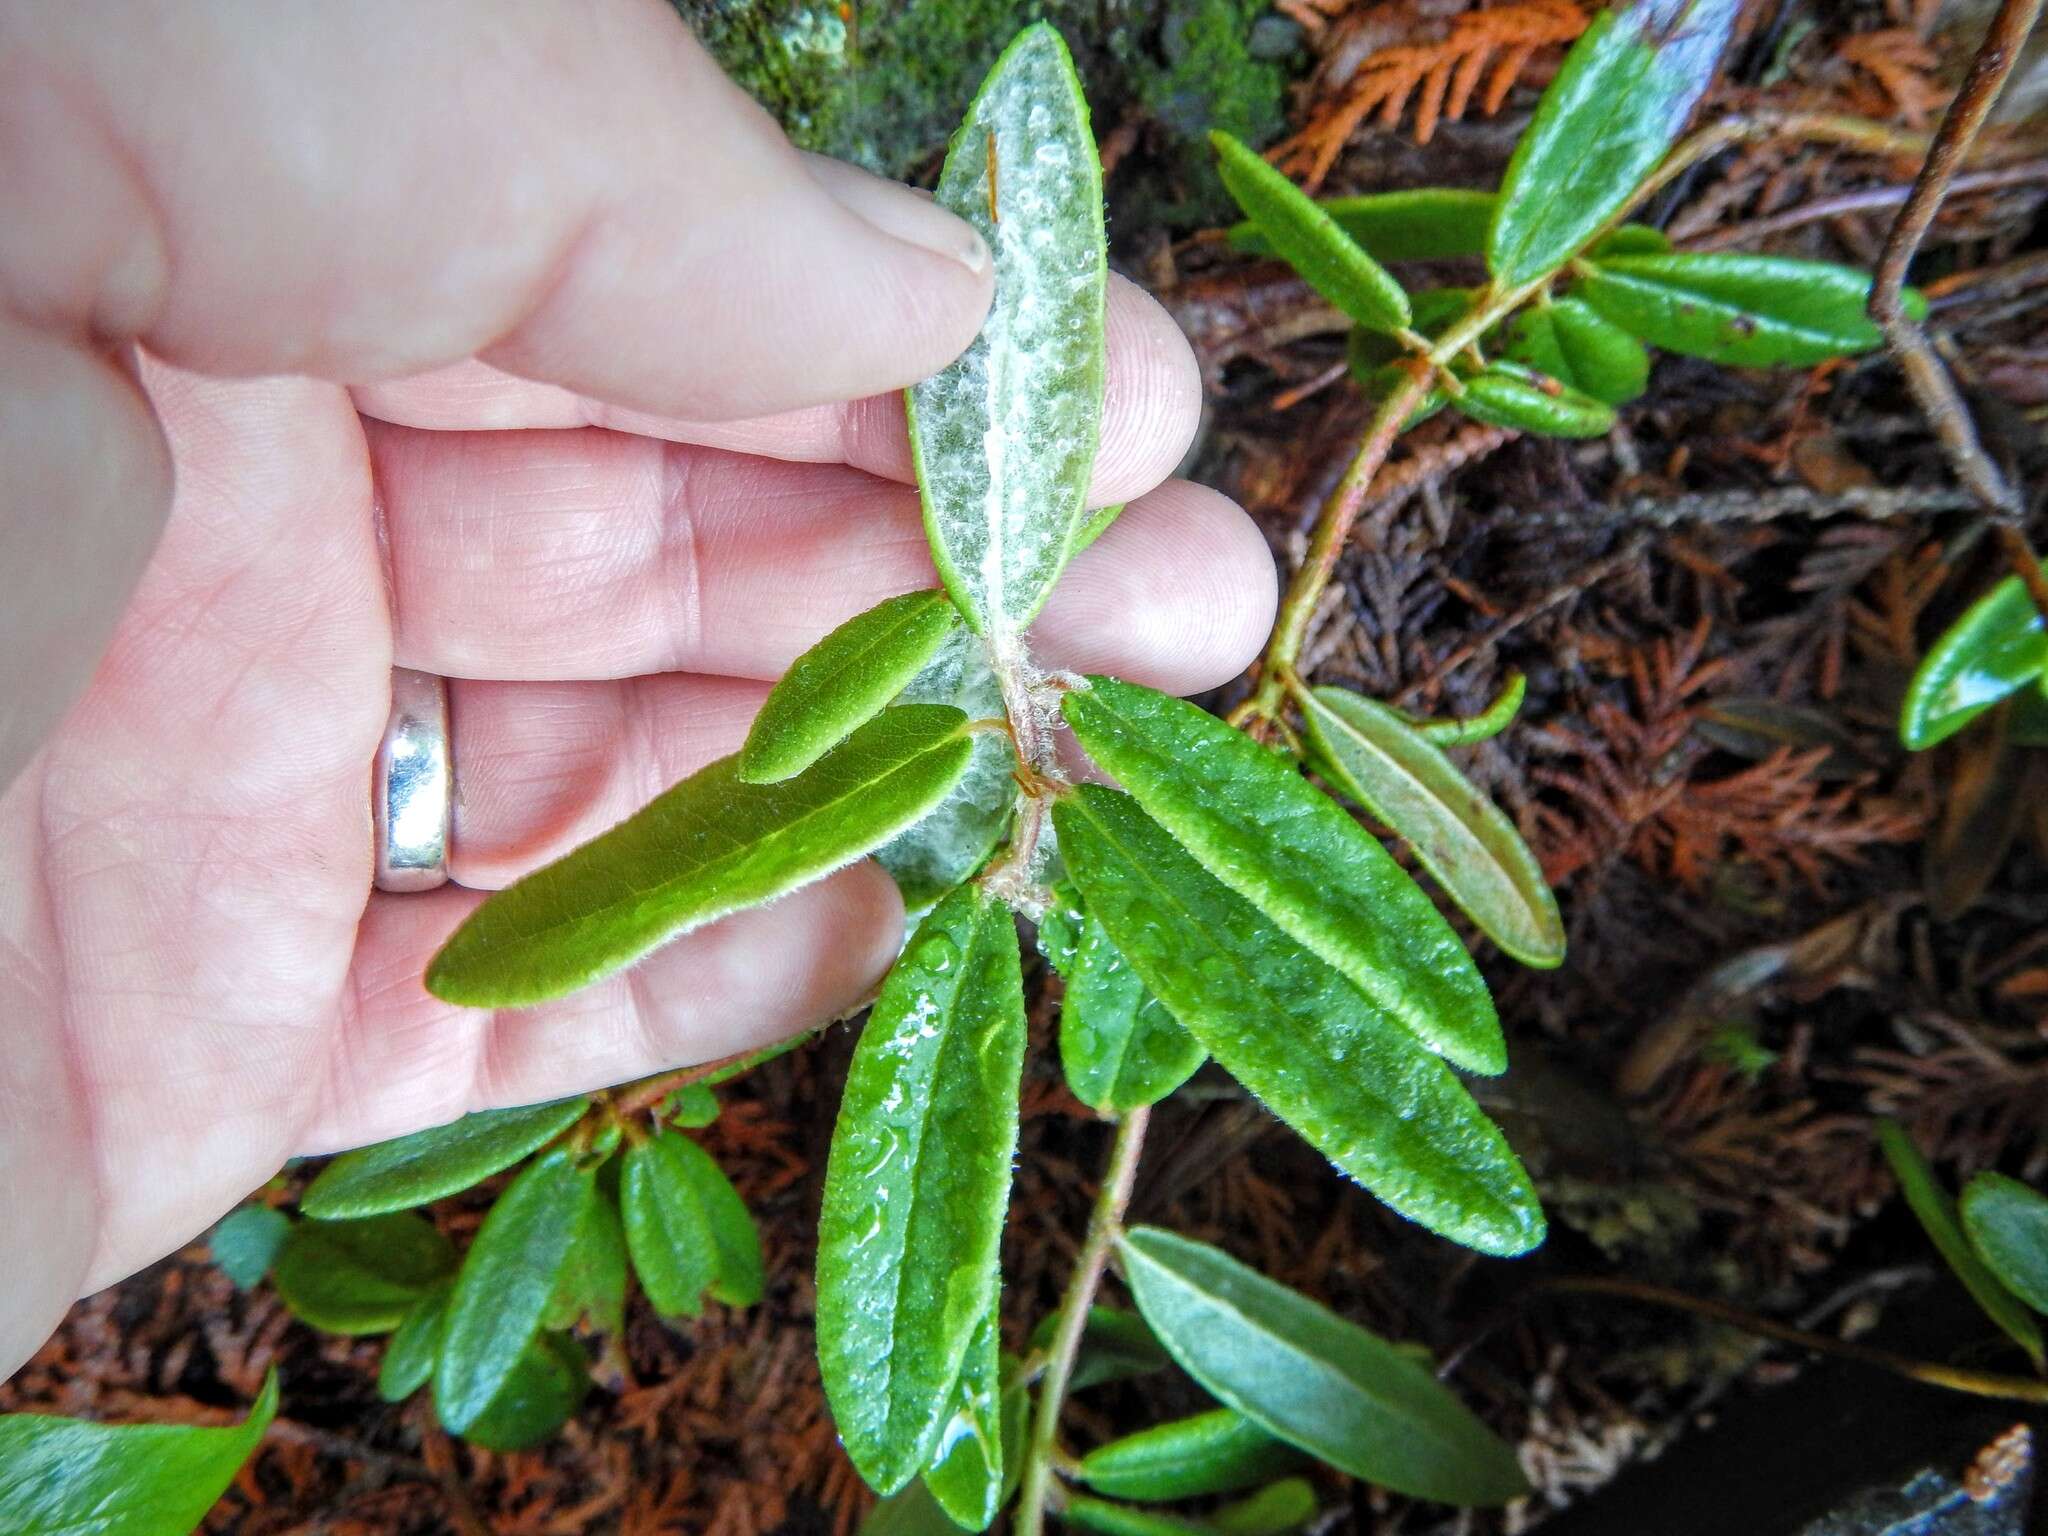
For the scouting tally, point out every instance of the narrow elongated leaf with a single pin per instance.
(1095, 525)
(1119, 1046)
(917, 1183)
(592, 1283)
(1004, 438)
(1342, 1394)
(2007, 1223)
(953, 841)
(687, 1228)
(1309, 240)
(1115, 1345)
(742, 1272)
(508, 1278)
(1736, 308)
(1107, 1519)
(1569, 341)
(535, 1399)
(442, 1160)
(1345, 1075)
(1508, 394)
(1485, 725)
(408, 1362)
(362, 1276)
(967, 1470)
(709, 846)
(245, 1243)
(1216, 1452)
(1276, 840)
(1424, 224)
(843, 682)
(1287, 1505)
(1937, 1214)
(1996, 648)
(1619, 99)
(66, 1477)
(1375, 757)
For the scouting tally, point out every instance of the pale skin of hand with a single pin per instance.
(503, 340)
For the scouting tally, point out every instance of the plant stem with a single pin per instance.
(1104, 1223)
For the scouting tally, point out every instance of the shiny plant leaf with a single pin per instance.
(1619, 100)
(441, 1160)
(1937, 1215)
(1484, 726)
(1309, 240)
(1994, 649)
(1115, 1346)
(245, 1242)
(1004, 437)
(976, 1451)
(1346, 1076)
(66, 1477)
(1346, 1396)
(361, 1276)
(408, 1362)
(916, 1186)
(1262, 829)
(1119, 1046)
(507, 1281)
(1107, 1519)
(543, 1388)
(592, 1283)
(1423, 224)
(2007, 1224)
(687, 1228)
(1287, 1505)
(711, 845)
(1373, 756)
(1508, 394)
(843, 682)
(1216, 1452)
(1735, 308)
(1568, 341)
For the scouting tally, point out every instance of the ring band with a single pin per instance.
(412, 787)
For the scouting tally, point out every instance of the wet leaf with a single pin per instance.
(361, 1276)
(1346, 1396)
(1004, 438)
(408, 1362)
(917, 1185)
(1272, 837)
(1995, 649)
(536, 1398)
(66, 1477)
(843, 682)
(1287, 1505)
(710, 846)
(1619, 100)
(1216, 1452)
(1115, 1345)
(2007, 1224)
(1424, 224)
(980, 1453)
(1119, 1046)
(1346, 1076)
(441, 1160)
(1569, 341)
(1507, 394)
(245, 1242)
(1373, 756)
(955, 839)
(687, 1228)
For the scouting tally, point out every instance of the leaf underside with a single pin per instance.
(2007, 1223)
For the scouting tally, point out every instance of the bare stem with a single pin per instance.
(1041, 1452)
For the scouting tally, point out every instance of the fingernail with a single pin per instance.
(900, 212)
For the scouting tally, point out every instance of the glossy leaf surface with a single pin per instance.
(1262, 829)
(1569, 341)
(2007, 1223)
(1119, 1046)
(1216, 1452)
(361, 1276)
(1996, 648)
(1736, 308)
(1422, 224)
(441, 1160)
(408, 1362)
(1346, 1396)
(67, 1477)
(843, 682)
(543, 1387)
(1346, 1076)
(245, 1242)
(917, 1184)
(977, 1457)
(1376, 758)
(1004, 438)
(953, 841)
(1619, 100)
(1508, 394)
(1309, 240)
(709, 846)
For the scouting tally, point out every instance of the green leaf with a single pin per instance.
(1346, 1396)
(1507, 394)
(843, 682)
(1096, 525)
(1119, 1046)
(1107, 1519)
(1216, 1452)
(592, 1281)
(1630, 240)
(536, 1397)
(1937, 1214)
(1619, 100)
(1995, 649)
(361, 1276)
(408, 1361)
(687, 1228)
(1382, 384)
(1372, 755)
(1283, 845)
(917, 1183)
(1485, 725)
(1569, 341)
(1310, 241)
(442, 1160)
(2007, 1223)
(1115, 1345)
(1425, 224)
(1004, 438)
(508, 1279)
(1346, 1076)
(709, 846)
(979, 1448)
(65, 1477)
(245, 1242)
(692, 1107)
(1287, 1505)
(1736, 308)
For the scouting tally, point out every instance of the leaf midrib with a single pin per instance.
(1671, 291)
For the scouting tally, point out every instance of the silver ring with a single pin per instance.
(412, 787)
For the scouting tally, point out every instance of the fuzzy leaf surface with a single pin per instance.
(1004, 438)
(1996, 648)
(1373, 756)
(711, 845)
(1216, 1452)
(1423, 224)
(1570, 342)
(441, 1160)
(361, 1276)
(244, 1242)
(2007, 1223)
(951, 842)
(408, 1362)
(917, 1183)
(1509, 394)
(1352, 1081)
(1262, 829)
(1119, 1046)
(1346, 1396)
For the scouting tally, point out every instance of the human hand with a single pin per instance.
(607, 483)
